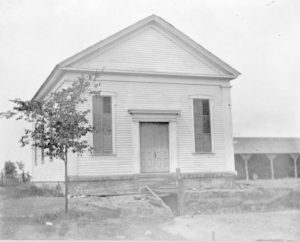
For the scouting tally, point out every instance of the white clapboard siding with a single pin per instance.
(148, 50)
(165, 96)
(153, 93)
(53, 170)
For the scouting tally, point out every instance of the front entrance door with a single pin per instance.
(154, 146)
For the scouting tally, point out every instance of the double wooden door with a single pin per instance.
(154, 147)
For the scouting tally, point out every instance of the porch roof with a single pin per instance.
(259, 145)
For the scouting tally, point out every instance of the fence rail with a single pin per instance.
(15, 179)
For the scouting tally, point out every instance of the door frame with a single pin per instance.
(167, 146)
(166, 116)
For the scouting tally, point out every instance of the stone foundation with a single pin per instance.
(104, 187)
(208, 181)
(126, 184)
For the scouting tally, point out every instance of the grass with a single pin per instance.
(30, 212)
(31, 190)
(260, 195)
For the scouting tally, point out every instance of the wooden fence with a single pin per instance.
(13, 180)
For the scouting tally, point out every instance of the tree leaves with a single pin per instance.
(57, 124)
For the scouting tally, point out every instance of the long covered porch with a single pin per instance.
(267, 158)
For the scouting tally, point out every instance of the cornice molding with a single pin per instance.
(154, 115)
(149, 73)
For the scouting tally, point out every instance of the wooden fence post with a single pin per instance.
(2, 179)
(180, 192)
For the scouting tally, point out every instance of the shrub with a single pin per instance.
(43, 191)
(10, 168)
(47, 191)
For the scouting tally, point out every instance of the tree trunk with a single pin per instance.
(66, 182)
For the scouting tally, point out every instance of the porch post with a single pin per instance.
(271, 158)
(246, 157)
(173, 149)
(295, 157)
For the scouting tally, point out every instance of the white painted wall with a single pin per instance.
(53, 170)
(151, 50)
(167, 93)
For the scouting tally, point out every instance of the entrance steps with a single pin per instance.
(161, 184)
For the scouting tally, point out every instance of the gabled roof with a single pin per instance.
(231, 73)
(266, 145)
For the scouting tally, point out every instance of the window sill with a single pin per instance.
(203, 153)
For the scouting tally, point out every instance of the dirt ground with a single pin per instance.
(27, 216)
(89, 218)
(268, 226)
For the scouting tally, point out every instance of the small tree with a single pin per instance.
(58, 125)
(9, 168)
(21, 167)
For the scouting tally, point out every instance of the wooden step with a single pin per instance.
(162, 184)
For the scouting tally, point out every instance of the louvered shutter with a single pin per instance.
(202, 125)
(102, 122)
(107, 125)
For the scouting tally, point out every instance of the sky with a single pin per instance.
(259, 38)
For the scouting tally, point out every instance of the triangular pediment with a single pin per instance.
(150, 50)
(150, 46)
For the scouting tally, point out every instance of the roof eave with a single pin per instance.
(107, 40)
(140, 24)
(150, 73)
(197, 46)
(233, 73)
(48, 79)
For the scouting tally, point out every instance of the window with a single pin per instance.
(202, 126)
(102, 122)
